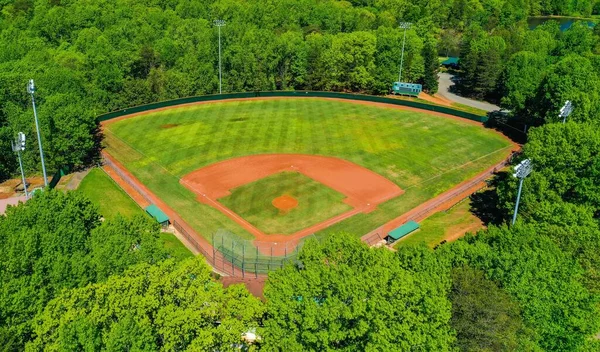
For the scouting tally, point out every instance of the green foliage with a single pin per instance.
(343, 295)
(168, 306)
(56, 241)
(546, 282)
(430, 80)
(484, 316)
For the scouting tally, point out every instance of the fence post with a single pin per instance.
(243, 257)
(214, 250)
(232, 255)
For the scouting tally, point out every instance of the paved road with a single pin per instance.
(445, 80)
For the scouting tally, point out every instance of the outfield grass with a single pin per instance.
(316, 203)
(110, 199)
(423, 154)
(443, 224)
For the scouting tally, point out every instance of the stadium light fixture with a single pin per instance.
(18, 146)
(219, 24)
(31, 90)
(566, 110)
(521, 171)
(405, 25)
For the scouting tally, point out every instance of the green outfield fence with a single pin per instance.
(348, 96)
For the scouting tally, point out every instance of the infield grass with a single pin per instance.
(316, 203)
(423, 154)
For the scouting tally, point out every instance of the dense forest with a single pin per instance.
(90, 57)
(71, 282)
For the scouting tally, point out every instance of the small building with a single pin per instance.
(158, 215)
(451, 62)
(402, 231)
(403, 88)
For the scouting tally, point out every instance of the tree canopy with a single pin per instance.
(56, 241)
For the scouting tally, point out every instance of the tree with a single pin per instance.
(545, 281)
(484, 316)
(572, 78)
(170, 306)
(521, 82)
(343, 295)
(56, 241)
(430, 58)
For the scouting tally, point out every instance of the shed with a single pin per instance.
(451, 61)
(157, 214)
(402, 231)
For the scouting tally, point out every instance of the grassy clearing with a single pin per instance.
(174, 246)
(443, 224)
(110, 198)
(470, 109)
(423, 154)
(112, 201)
(316, 203)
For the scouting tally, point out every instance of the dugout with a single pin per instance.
(157, 215)
(402, 231)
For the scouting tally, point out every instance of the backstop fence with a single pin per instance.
(234, 256)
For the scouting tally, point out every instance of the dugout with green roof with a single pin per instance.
(403, 230)
(157, 214)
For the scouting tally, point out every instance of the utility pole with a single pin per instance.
(566, 110)
(219, 24)
(18, 146)
(521, 171)
(405, 25)
(31, 90)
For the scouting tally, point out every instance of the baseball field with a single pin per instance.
(401, 158)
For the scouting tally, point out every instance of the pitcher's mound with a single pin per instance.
(285, 203)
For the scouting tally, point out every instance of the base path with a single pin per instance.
(440, 203)
(363, 188)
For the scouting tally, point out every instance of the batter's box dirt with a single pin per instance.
(364, 189)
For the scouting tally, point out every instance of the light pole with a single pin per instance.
(219, 24)
(18, 146)
(31, 90)
(521, 171)
(566, 110)
(405, 25)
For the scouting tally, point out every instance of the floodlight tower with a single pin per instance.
(219, 24)
(31, 90)
(521, 171)
(566, 110)
(405, 25)
(18, 146)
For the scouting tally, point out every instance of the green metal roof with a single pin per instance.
(403, 230)
(451, 61)
(157, 214)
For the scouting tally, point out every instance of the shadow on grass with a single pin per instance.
(485, 204)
